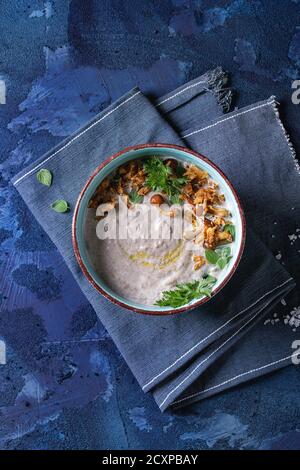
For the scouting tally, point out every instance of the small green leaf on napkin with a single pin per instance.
(231, 229)
(60, 205)
(44, 176)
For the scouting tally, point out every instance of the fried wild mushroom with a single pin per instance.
(104, 209)
(213, 236)
(186, 198)
(211, 195)
(199, 261)
(172, 163)
(194, 173)
(104, 193)
(132, 169)
(213, 184)
(224, 237)
(104, 185)
(188, 189)
(219, 211)
(120, 187)
(219, 221)
(210, 231)
(122, 170)
(138, 180)
(143, 191)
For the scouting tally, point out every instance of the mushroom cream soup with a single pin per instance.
(158, 232)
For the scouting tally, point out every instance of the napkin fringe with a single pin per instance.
(275, 105)
(216, 81)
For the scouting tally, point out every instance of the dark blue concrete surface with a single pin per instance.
(65, 384)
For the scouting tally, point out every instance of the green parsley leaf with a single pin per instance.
(135, 197)
(206, 291)
(60, 206)
(44, 176)
(160, 178)
(175, 199)
(157, 173)
(185, 293)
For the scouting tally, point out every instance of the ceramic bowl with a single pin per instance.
(142, 151)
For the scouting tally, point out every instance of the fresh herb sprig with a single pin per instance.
(185, 293)
(135, 197)
(220, 257)
(160, 178)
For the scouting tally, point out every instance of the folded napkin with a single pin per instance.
(192, 355)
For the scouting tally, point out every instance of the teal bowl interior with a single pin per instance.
(181, 155)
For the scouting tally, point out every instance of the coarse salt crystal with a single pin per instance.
(293, 237)
(293, 319)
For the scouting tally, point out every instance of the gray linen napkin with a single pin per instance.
(195, 354)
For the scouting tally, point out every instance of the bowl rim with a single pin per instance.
(171, 311)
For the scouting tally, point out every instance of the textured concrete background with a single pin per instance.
(65, 384)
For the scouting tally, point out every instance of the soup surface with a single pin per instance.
(158, 232)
